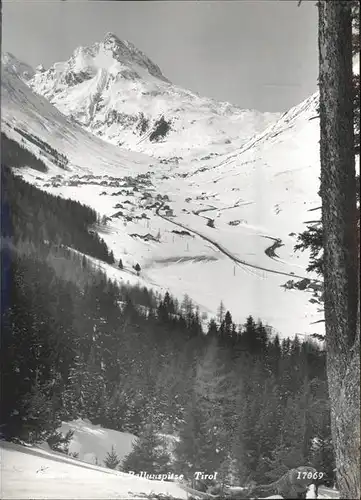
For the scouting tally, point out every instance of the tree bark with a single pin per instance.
(341, 263)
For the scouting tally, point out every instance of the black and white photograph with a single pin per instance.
(180, 250)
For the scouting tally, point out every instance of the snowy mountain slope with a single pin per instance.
(12, 64)
(159, 213)
(33, 114)
(28, 472)
(257, 199)
(277, 170)
(116, 92)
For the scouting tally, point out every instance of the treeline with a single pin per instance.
(14, 155)
(75, 344)
(57, 158)
(34, 215)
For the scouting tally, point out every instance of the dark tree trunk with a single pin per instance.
(338, 193)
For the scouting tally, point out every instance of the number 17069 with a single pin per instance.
(310, 475)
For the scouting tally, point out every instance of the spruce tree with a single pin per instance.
(149, 454)
(221, 312)
(212, 328)
(249, 340)
(112, 460)
(289, 452)
(39, 418)
(60, 442)
(194, 448)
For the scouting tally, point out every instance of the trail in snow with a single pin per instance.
(236, 205)
(197, 212)
(224, 250)
(271, 250)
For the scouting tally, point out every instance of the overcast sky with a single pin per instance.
(259, 54)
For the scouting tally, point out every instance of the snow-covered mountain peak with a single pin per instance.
(126, 50)
(118, 55)
(115, 91)
(40, 68)
(12, 64)
(108, 61)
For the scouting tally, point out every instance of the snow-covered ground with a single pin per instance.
(29, 472)
(91, 442)
(32, 473)
(257, 194)
(37, 472)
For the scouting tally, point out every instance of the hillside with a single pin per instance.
(28, 472)
(19, 68)
(34, 115)
(159, 213)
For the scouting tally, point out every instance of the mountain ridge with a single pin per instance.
(116, 92)
(23, 70)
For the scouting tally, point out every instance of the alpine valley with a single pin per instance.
(205, 197)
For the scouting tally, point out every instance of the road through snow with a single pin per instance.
(224, 250)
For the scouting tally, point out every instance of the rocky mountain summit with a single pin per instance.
(116, 92)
